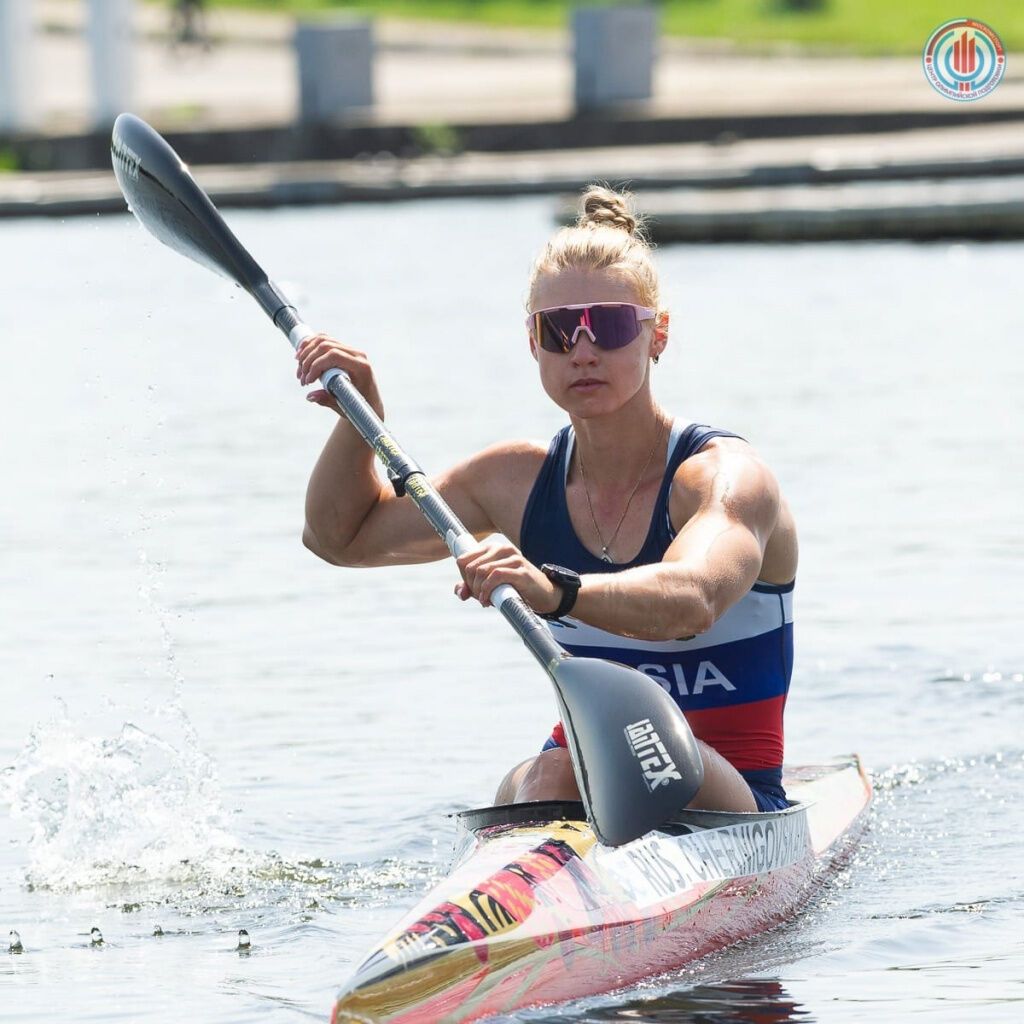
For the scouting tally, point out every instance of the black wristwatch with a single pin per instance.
(569, 581)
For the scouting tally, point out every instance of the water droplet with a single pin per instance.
(15, 945)
(158, 932)
(244, 943)
(96, 937)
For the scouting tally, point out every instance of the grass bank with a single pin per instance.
(860, 26)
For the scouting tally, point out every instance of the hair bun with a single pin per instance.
(604, 207)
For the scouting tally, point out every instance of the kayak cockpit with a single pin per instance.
(480, 819)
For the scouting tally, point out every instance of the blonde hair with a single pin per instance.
(608, 235)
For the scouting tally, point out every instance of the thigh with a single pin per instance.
(724, 789)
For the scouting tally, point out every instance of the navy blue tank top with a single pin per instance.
(547, 533)
(732, 681)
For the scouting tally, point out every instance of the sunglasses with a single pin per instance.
(610, 325)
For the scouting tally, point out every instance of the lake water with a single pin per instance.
(206, 729)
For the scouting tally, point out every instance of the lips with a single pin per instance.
(585, 384)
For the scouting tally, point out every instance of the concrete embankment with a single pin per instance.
(732, 145)
(962, 182)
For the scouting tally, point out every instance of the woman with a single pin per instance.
(668, 542)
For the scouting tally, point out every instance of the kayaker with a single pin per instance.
(649, 540)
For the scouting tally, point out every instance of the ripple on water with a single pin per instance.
(135, 820)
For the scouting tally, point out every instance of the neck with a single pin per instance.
(615, 446)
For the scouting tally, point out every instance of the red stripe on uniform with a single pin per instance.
(748, 736)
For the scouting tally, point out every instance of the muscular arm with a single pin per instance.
(733, 501)
(354, 518)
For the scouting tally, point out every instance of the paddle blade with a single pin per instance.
(165, 198)
(636, 760)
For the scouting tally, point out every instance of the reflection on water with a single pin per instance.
(734, 1002)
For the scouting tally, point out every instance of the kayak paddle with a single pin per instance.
(635, 760)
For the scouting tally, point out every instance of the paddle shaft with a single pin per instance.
(412, 481)
(634, 757)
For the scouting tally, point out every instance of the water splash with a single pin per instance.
(105, 810)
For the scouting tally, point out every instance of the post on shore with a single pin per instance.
(335, 65)
(614, 53)
(111, 35)
(18, 110)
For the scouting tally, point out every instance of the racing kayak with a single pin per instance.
(536, 910)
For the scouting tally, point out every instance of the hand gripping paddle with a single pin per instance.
(635, 759)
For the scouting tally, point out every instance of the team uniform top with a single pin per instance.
(730, 682)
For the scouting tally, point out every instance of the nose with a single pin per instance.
(583, 350)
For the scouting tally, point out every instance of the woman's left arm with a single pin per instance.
(729, 502)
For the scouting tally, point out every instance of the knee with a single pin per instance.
(549, 777)
(509, 785)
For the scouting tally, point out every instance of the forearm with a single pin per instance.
(651, 602)
(343, 489)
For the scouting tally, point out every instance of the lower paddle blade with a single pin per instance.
(636, 760)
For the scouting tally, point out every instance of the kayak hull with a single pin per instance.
(538, 911)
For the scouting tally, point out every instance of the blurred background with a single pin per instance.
(206, 729)
(739, 119)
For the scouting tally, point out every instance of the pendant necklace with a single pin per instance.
(605, 557)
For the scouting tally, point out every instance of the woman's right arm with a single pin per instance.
(354, 518)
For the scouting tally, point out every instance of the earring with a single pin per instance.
(656, 358)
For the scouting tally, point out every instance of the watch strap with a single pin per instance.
(569, 581)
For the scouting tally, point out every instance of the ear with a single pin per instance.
(660, 340)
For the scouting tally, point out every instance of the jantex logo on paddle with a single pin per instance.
(659, 769)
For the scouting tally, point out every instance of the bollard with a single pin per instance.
(335, 64)
(18, 111)
(111, 34)
(614, 50)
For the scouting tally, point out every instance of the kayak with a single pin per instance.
(536, 910)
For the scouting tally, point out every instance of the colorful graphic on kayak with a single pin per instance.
(964, 59)
(496, 905)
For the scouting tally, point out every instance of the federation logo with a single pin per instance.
(964, 59)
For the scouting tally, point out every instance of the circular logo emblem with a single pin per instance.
(964, 59)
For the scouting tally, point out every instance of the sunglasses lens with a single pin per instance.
(612, 327)
(554, 329)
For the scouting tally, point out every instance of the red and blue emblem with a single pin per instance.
(964, 59)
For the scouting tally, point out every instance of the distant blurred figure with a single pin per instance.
(188, 22)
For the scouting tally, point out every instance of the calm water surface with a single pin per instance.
(206, 729)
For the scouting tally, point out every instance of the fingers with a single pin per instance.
(322, 397)
(319, 353)
(488, 566)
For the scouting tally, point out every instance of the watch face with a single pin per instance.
(560, 574)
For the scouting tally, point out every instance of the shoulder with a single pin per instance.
(506, 460)
(499, 479)
(729, 477)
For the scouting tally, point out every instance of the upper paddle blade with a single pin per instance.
(636, 760)
(167, 201)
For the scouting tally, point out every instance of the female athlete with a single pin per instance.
(649, 540)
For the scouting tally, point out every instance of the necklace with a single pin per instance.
(605, 557)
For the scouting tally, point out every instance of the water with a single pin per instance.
(205, 729)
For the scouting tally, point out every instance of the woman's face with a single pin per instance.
(589, 381)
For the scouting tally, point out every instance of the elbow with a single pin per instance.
(312, 543)
(688, 618)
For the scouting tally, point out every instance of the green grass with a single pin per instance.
(9, 161)
(862, 26)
